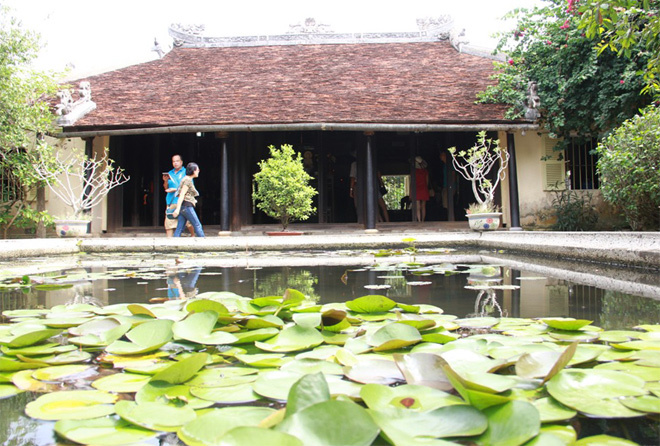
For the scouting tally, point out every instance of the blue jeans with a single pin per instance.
(188, 213)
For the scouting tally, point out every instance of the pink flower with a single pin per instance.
(622, 81)
(511, 62)
(566, 25)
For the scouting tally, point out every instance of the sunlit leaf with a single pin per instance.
(72, 405)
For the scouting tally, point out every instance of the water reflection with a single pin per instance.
(465, 290)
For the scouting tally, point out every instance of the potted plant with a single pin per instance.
(81, 183)
(283, 191)
(475, 165)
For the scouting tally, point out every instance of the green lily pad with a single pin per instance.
(275, 385)
(393, 337)
(645, 403)
(513, 423)
(263, 360)
(60, 372)
(210, 427)
(183, 370)
(291, 339)
(566, 323)
(644, 372)
(424, 369)
(552, 410)
(32, 337)
(250, 435)
(169, 394)
(10, 365)
(7, 390)
(603, 440)
(201, 305)
(72, 405)
(223, 377)
(596, 392)
(72, 357)
(121, 382)
(146, 337)
(37, 350)
(637, 345)
(24, 381)
(234, 394)
(260, 334)
(371, 304)
(102, 432)
(306, 366)
(477, 322)
(154, 416)
(374, 371)
(316, 425)
(198, 328)
(407, 396)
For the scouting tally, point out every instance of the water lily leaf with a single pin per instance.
(60, 372)
(374, 371)
(510, 424)
(394, 336)
(603, 440)
(170, 394)
(52, 286)
(618, 335)
(264, 360)
(37, 350)
(121, 382)
(309, 320)
(441, 337)
(7, 390)
(316, 425)
(198, 328)
(250, 435)
(183, 370)
(32, 337)
(308, 365)
(210, 427)
(552, 410)
(645, 403)
(102, 431)
(424, 369)
(10, 365)
(645, 327)
(462, 361)
(24, 381)
(545, 439)
(146, 337)
(71, 357)
(292, 298)
(136, 310)
(477, 322)
(565, 432)
(407, 396)
(596, 392)
(154, 416)
(275, 385)
(637, 345)
(291, 339)
(234, 394)
(574, 336)
(261, 334)
(268, 321)
(72, 405)
(307, 391)
(101, 339)
(201, 305)
(450, 421)
(565, 323)
(644, 372)
(371, 304)
(223, 377)
(487, 382)
(335, 320)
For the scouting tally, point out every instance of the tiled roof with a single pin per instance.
(386, 83)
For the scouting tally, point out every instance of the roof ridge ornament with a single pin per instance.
(69, 110)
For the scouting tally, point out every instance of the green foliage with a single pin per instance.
(24, 115)
(283, 189)
(574, 211)
(579, 90)
(630, 28)
(628, 166)
(475, 165)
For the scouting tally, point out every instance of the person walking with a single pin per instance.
(171, 182)
(187, 199)
(421, 187)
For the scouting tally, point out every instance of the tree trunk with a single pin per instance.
(41, 206)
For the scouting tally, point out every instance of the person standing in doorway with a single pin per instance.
(421, 187)
(187, 199)
(171, 182)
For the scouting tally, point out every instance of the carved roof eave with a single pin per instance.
(77, 113)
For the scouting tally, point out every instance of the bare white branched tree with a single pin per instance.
(475, 164)
(79, 181)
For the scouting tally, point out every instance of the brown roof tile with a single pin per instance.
(341, 83)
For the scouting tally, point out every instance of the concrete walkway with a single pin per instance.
(632, 249)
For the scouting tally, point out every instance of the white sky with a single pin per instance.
(97, 36)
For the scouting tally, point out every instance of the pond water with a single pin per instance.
(465, 285)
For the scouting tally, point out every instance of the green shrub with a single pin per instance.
(283, 191)
(629, 169)
(574, 211)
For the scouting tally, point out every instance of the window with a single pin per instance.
(581, 161)
(398, 186)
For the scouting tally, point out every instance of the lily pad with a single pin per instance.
(102, 432)
(408, 396)
(154, 416)
(291, 339)
(210, 427)
(146, 337)
(72, 405)
(169, 394)
(121, 382)
(234, 394)
(371, 304)
(552, 410)
(32, 337)
(603, 440)
(250, 435)
(61, 372)
(394, 336)
(510, 424)
(183, 370)
(7, 390)
(198, 328)
(596, 392)
(566, 323)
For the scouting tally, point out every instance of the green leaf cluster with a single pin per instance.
(283, 190)
(629, 169)
(581, 91)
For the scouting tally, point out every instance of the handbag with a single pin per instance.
(169, 212)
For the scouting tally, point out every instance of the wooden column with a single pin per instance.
(513, 184)
(369, 182)
(225, 208)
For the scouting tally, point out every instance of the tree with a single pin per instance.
(629, 169)
(25, 116)
(630, 28)
(283, 190)
(581, 91)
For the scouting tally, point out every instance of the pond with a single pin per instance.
(476, 285)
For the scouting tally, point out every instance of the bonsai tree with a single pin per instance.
(475, 165)
(283, 191)
(79, 181)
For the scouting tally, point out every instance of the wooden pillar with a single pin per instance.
(369, 189)
(225, 207)
(514, 202)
